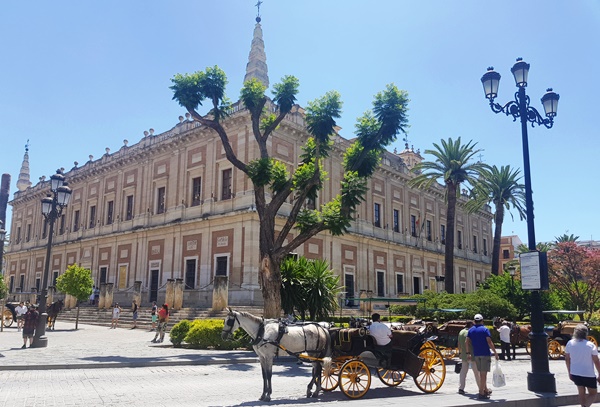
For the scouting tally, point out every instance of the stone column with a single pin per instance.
(70, 301)
(363, 304)
(137, 292)
(108, 298)
(101, 301)
(51, 292)
(220, 293)
(33, 295)
(178, 294)
(170, 295)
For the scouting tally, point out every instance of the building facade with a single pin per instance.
(171, 206)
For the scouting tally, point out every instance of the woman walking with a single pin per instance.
(163, 319)
(116, 312)
(581, 356)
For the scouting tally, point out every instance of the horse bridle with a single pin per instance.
(230, 322)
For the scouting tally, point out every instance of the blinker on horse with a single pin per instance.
(308, 342)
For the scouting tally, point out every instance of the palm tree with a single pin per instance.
(453, 165)
(502, 188)
(540, 247)
(566, 238)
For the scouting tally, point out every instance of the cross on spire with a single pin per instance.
(257, 5)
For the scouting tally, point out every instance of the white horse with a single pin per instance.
(310, 341)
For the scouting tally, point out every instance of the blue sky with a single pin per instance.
(78, 77)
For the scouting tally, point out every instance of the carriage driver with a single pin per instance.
(382, 335)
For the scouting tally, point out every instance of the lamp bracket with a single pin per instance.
(512, 109)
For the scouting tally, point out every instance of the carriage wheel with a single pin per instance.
(428, 344)
(329, 377)
(433, 371)
(554, 349)
(391, 378)
(593, 340)
(355, 379)
(7, 318)
(528, 347)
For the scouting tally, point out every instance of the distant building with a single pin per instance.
(508, 250)
(171, 206)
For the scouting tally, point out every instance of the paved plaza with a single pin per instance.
(97, 366)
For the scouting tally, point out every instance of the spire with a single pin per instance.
(23, 182)
(257, 60)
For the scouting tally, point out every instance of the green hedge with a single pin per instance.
(206, 334)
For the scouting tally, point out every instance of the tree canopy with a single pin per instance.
(76, 281)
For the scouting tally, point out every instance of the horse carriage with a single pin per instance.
(9, 315)
(559, 335)
(355, 354)
(345, 356)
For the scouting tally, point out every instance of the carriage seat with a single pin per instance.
(402, 339)
(350, 340)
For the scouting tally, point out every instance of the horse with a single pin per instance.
(310, 341)
(53, 310)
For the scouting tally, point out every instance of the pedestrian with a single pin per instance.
(504, 331)
(96, 295)
(154, 316)
(116, 312)
(134, 309)
(20, 311)
(30, 323)
(581, 356)
(163, 319)
(92, 295)
(466, 364)
(479, 343)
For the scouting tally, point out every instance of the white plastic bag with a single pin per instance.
(498, 379)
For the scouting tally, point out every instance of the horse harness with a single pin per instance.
(282, 330)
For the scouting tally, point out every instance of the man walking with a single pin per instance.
(479, 343)
(466, 364)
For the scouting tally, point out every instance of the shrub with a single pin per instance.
(206, 334)
(179, 332)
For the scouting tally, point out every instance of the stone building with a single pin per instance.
(172, 207)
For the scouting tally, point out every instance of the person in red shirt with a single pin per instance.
(163, 319)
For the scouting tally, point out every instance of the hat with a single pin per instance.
(478, 317)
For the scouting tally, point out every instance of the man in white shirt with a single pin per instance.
(20, 310)
(504, 332)
(380, 332)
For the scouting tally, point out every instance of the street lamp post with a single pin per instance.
(52, 207)
(539, 379)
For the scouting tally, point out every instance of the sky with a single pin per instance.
(79, 77)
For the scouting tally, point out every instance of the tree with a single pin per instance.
(566, 238)
(453, 164)
(3, 287)
(574, 271)
(502, 188)
(273, 184)
(76, 281)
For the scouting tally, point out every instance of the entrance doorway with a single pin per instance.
(153, 285)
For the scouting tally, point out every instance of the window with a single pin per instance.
(226, 184)
(160, 200)
(190, 274)
(109, 212)
(221, 266)
(54, 278)
(129, 208)
(474, 244)
(28, 234)
(11, 287)
(413, 225)
(396, 221)
(428, 230)
(416, 285)
(45, 228)
(76, 221)
(505, 254)
(22, 283)
(485, 247)
(443, 234)
(61, 228)
(380, 284)
(19, 234)
(196, 189)
(459, 238)
(377, 215)
(103, 274)
(399, 283)
(92, 216)
(38, 284)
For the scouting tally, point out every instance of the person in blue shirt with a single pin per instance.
(479, 343)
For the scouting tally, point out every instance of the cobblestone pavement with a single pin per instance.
(93, 367)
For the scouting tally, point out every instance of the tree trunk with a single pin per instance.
(270, 276)
(449, 249)
(77, 317)
(498, 220)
